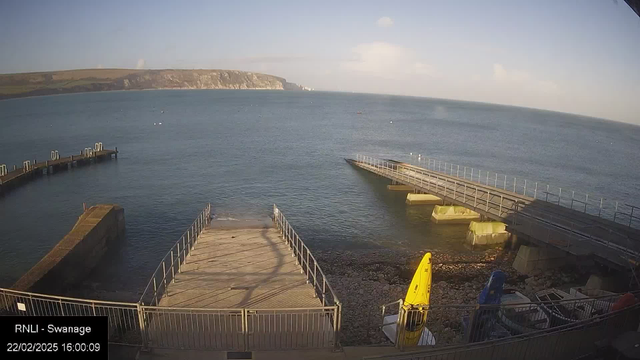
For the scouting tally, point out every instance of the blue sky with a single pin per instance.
(577, 56)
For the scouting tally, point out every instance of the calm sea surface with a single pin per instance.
(243, 151)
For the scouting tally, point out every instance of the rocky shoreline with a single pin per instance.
(364, 280)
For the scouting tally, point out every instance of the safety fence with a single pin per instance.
(518, 213)
(176, 256)
(310, 268)
(124, 318)
(619, 212)
(571, 340)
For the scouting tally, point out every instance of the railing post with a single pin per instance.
(501, 198)
(142, 326)
(164, 276)
(178, 257)
(455, 187)
(475, 198)
(173, 270)
(155, 290)
(464, 174)
(535, 191)
(586, 201)
(559, 194)
(495, 183)
(487, 178)
(307, 266)
(600, 211)
(572, 195)
(525, 188)
(505, 183)
(547, 194)
(514, 183)
(245, 330)
(324, 291)
(315, 276)
(336, 326)
(184, 249)
(464, 196)
(458, 172)
(488, 195)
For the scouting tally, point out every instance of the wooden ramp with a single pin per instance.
(240, 267)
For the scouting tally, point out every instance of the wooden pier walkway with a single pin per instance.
(11, 178)
(571, 230)
(248, 267)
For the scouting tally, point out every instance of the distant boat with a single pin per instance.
(162, 112)
(154, 124)
(390, 122)
(359, 112)
(159, 123)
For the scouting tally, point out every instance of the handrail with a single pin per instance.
(290, 235)
(173, 260)
(458, 349)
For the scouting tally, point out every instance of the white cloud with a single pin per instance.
(386, 61)
(522, 80)
(385, 21)
(140, 64)
(100, 66)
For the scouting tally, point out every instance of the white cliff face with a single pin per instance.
(202, 79)
(59, 82)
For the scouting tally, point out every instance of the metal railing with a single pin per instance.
(310, 268)
(176, 256)
(563, 341)
(124, 318)
(149, 325)
(616, 211)
(507, 207)
(461, 324)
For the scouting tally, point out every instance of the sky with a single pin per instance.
(576, 56)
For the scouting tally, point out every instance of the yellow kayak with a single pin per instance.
(417, 300)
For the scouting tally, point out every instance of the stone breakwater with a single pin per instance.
(364, 280)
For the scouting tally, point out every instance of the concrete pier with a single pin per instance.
(487, 233)
(77, 253)
(530, 258)
(423, 199)
(453, 215)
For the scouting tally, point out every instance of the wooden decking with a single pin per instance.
(240, 268)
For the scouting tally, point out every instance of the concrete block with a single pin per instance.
(487, 233)
(599, 282)
(453, 215)
(77, 253)
(400, 188)
(423, 199)
(530, 258)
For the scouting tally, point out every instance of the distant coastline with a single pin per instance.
(96, 80)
